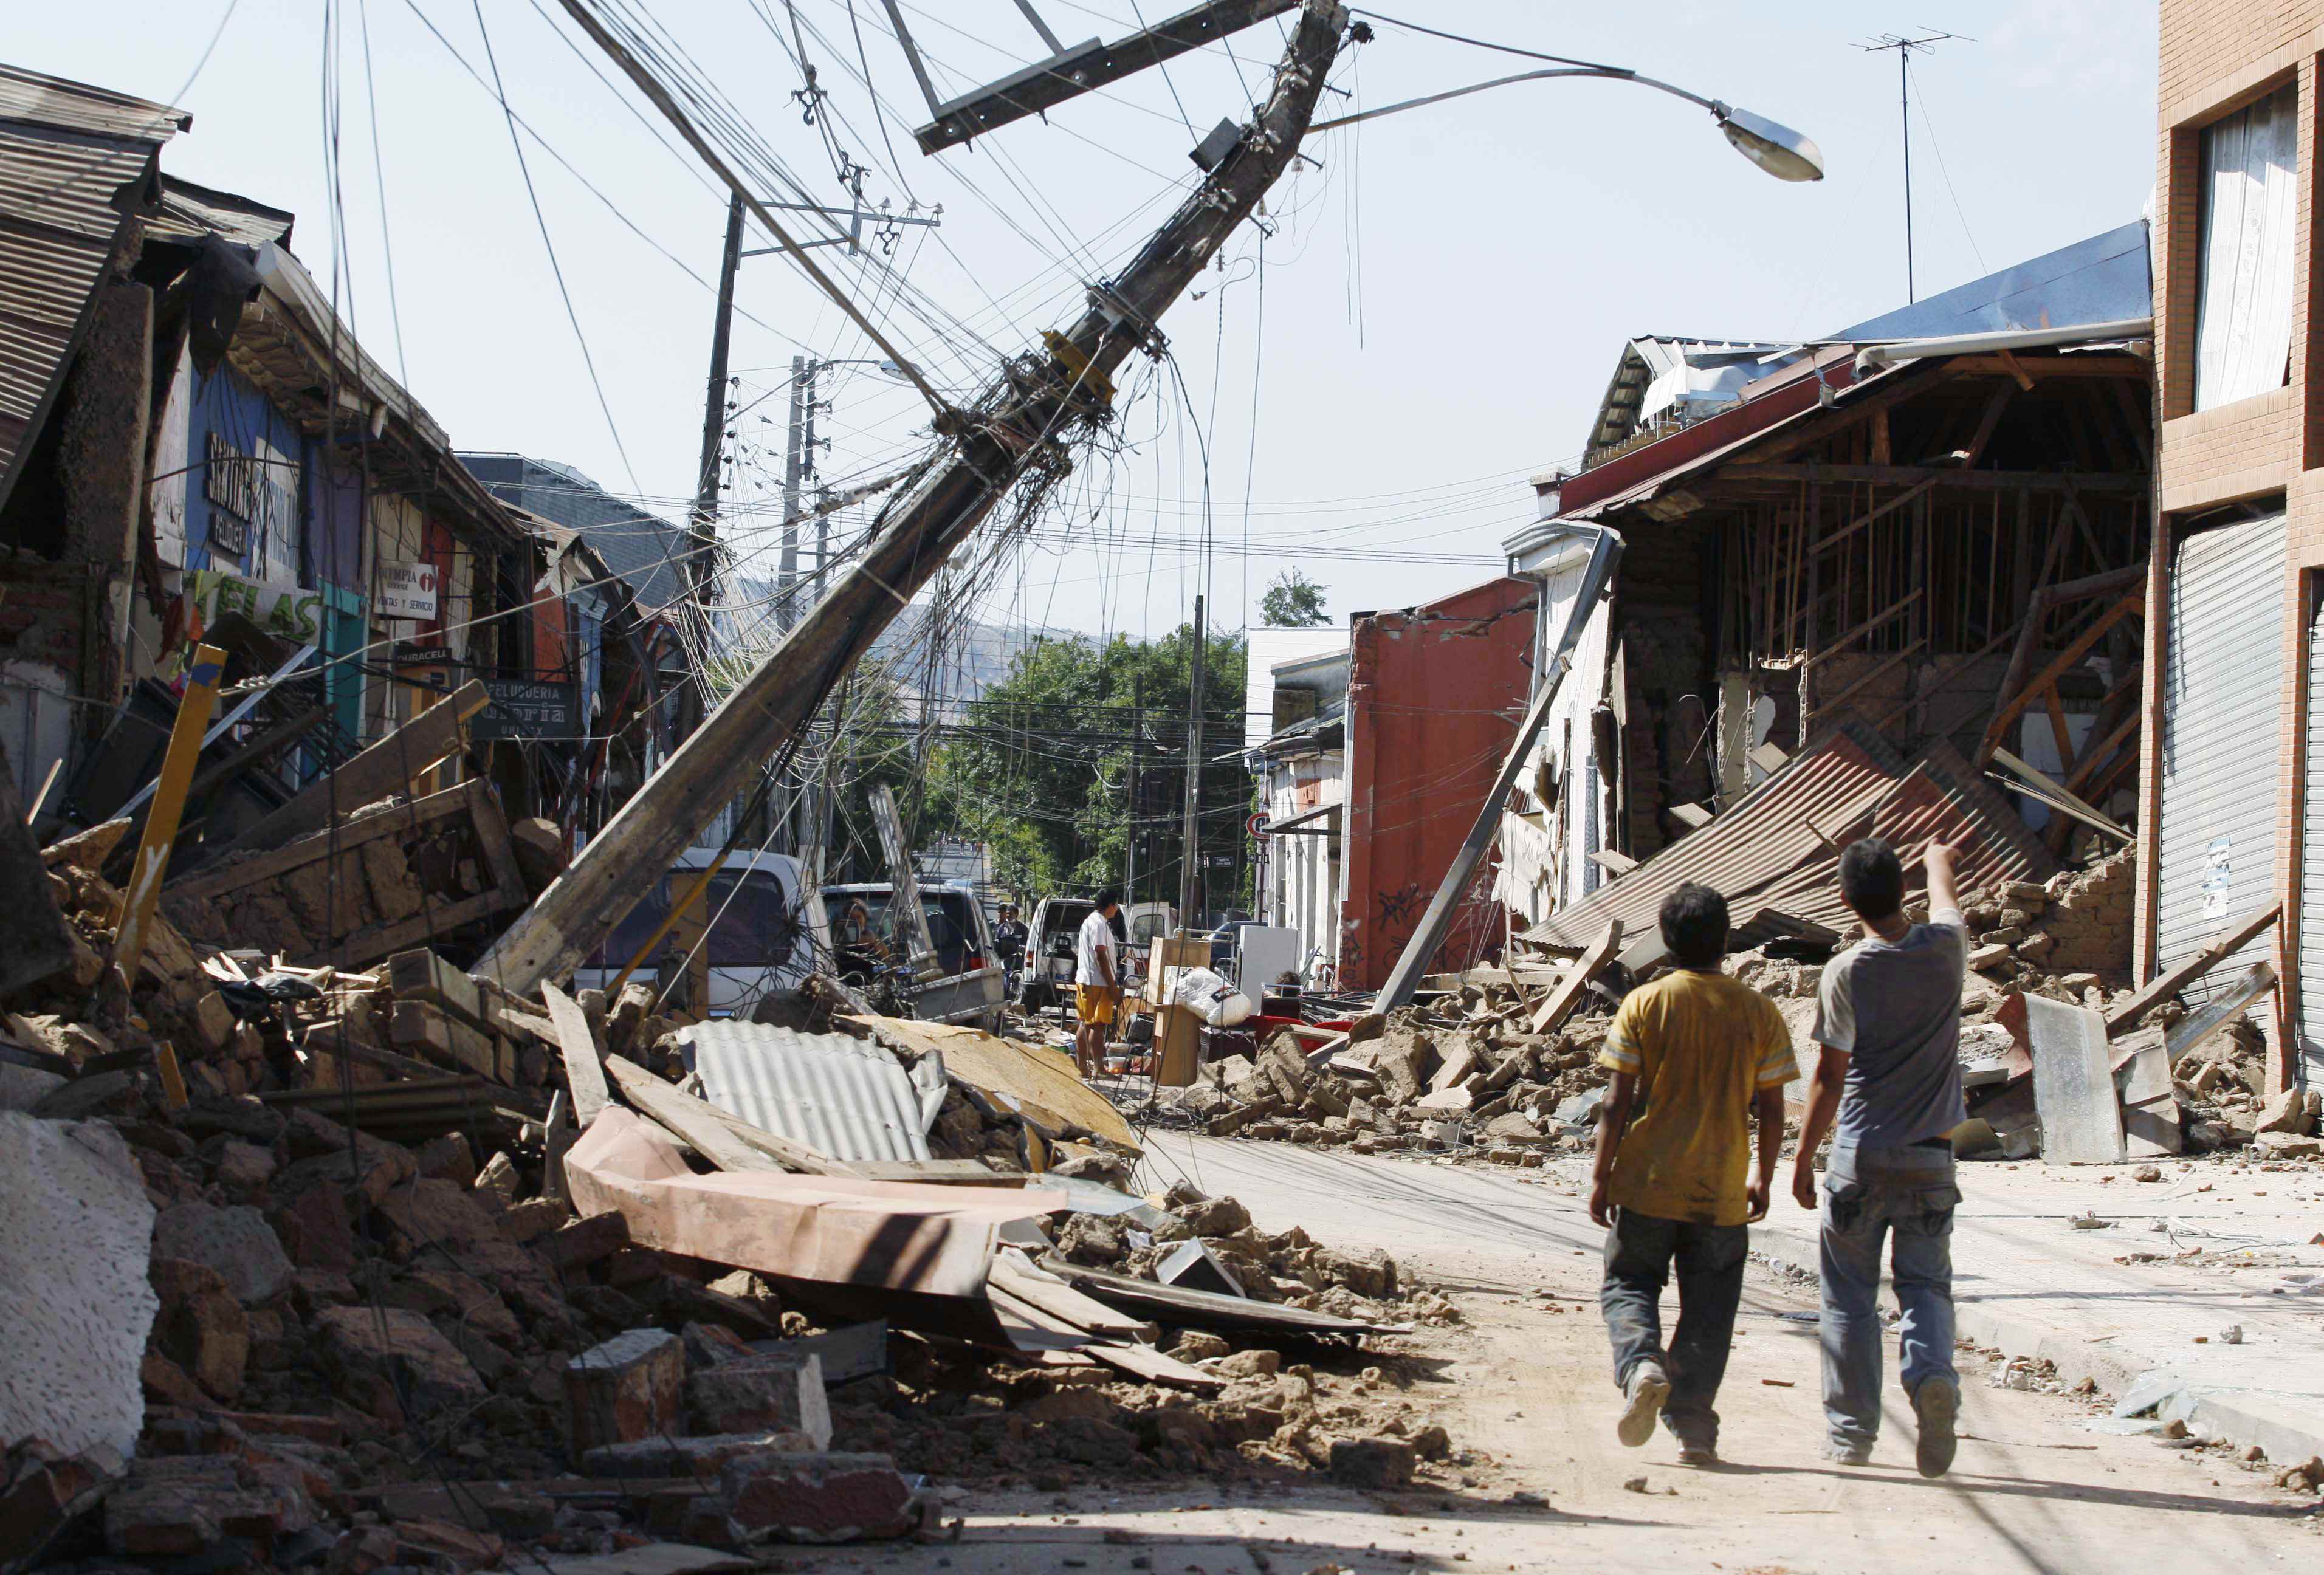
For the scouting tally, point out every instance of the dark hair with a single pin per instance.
(1108, 898)
(1871, 878)
(1694, 926)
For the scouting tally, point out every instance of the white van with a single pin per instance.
(767, 930)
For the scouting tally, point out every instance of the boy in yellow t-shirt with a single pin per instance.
(1703, 1054)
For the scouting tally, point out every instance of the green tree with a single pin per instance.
(1293, 601)
(1082, 749)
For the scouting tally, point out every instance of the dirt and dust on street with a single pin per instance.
(1535, 1479)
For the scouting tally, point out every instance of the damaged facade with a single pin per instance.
(1932, 525)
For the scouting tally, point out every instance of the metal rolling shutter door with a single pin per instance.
(2222, 727)
(2311, 866)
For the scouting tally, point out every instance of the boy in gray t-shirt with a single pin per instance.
(1888, 1028)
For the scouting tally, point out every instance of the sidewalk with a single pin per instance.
(2027, 1283)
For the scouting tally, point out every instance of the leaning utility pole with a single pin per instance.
(1190, 857)
(1018, 425)
(701, 562)
(799, 440)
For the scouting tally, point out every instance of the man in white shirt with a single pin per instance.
(1097, 982)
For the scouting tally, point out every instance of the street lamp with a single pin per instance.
(1780, 152)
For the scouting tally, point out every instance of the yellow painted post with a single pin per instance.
(185, 752)
(677, 910)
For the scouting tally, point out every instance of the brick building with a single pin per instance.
(2236, 761)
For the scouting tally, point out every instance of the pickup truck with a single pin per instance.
(970, 984)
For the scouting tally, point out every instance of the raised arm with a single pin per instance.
(1943, 892)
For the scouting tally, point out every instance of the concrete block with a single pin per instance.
(1372, 1462)
(779, 1393)
(75, 1232)
(628, 1388)
(704, 1455)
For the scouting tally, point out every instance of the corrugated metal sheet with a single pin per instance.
(2222, 726)
(51, 101)
(2311, 867)
(1941, 796)
(189, 211)
(841, 1097)
(2097, 280)
(1828, 792)
(75, 162)
(1779, 847)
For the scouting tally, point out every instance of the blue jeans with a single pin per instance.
(1908, 1194)
(1641, 1251)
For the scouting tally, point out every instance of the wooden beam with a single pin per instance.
(1893, 504)
(385, 769)
(2007, 364)
(2015, 369)
(1988, 420)
(724, 1140)
(179, 763)
(1901, 475)
(2125, 1015)
(1877, 620)
(361, 948)
(1568, 993)
(2050, 792)
(585, 1073)
(2016, 705)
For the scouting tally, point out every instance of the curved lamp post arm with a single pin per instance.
(1780, 152)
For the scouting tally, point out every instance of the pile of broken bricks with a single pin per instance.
(1484, 1069)
(307, 1291)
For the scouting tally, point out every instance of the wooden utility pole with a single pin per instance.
(1021, 423)
(701, 560)
(1190, 855)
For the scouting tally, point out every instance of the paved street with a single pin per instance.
(1523, 1384)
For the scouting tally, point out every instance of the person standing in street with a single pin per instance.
(1008, 936)
(1703, 1056)
(1888, 1028)
(1097, 982)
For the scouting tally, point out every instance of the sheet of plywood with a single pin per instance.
(1037, 1080)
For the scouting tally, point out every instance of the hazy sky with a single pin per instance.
(1436, 316)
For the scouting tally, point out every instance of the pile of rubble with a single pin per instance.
(299, 1282)
(1463, 1072)
(1484, 1070)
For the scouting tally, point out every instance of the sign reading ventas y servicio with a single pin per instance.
(406, 590)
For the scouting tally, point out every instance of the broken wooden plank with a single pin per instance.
(585, 1073)
(1143, 1361)
(2046, 789)
(724, 1140)
(388, 767)
(1612, 862)
(418, 974)
(1021, 1280)
(2216, 1014)
(2126, 1014)
(140, 902)
(374, 941)
(935, 1173)
(1568, 991)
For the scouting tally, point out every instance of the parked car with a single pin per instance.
(767, 924)
(970, 986)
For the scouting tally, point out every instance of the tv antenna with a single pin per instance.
(1927, 41)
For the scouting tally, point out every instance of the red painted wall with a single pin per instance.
(1434, 697)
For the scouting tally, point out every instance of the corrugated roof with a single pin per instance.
(189, 211)
(1779, 847)
(1824, 792)
(841, 1097)
(76, 164)
(39, 100)
(2095, 281)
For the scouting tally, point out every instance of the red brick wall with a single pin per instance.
(1434, 693)
(2216, 55)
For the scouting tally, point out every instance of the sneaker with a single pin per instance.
(1846, 1454)
(1698, 1454)
(1937, 1403)
(1648, 1387)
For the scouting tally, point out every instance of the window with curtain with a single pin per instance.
(2243, 310)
